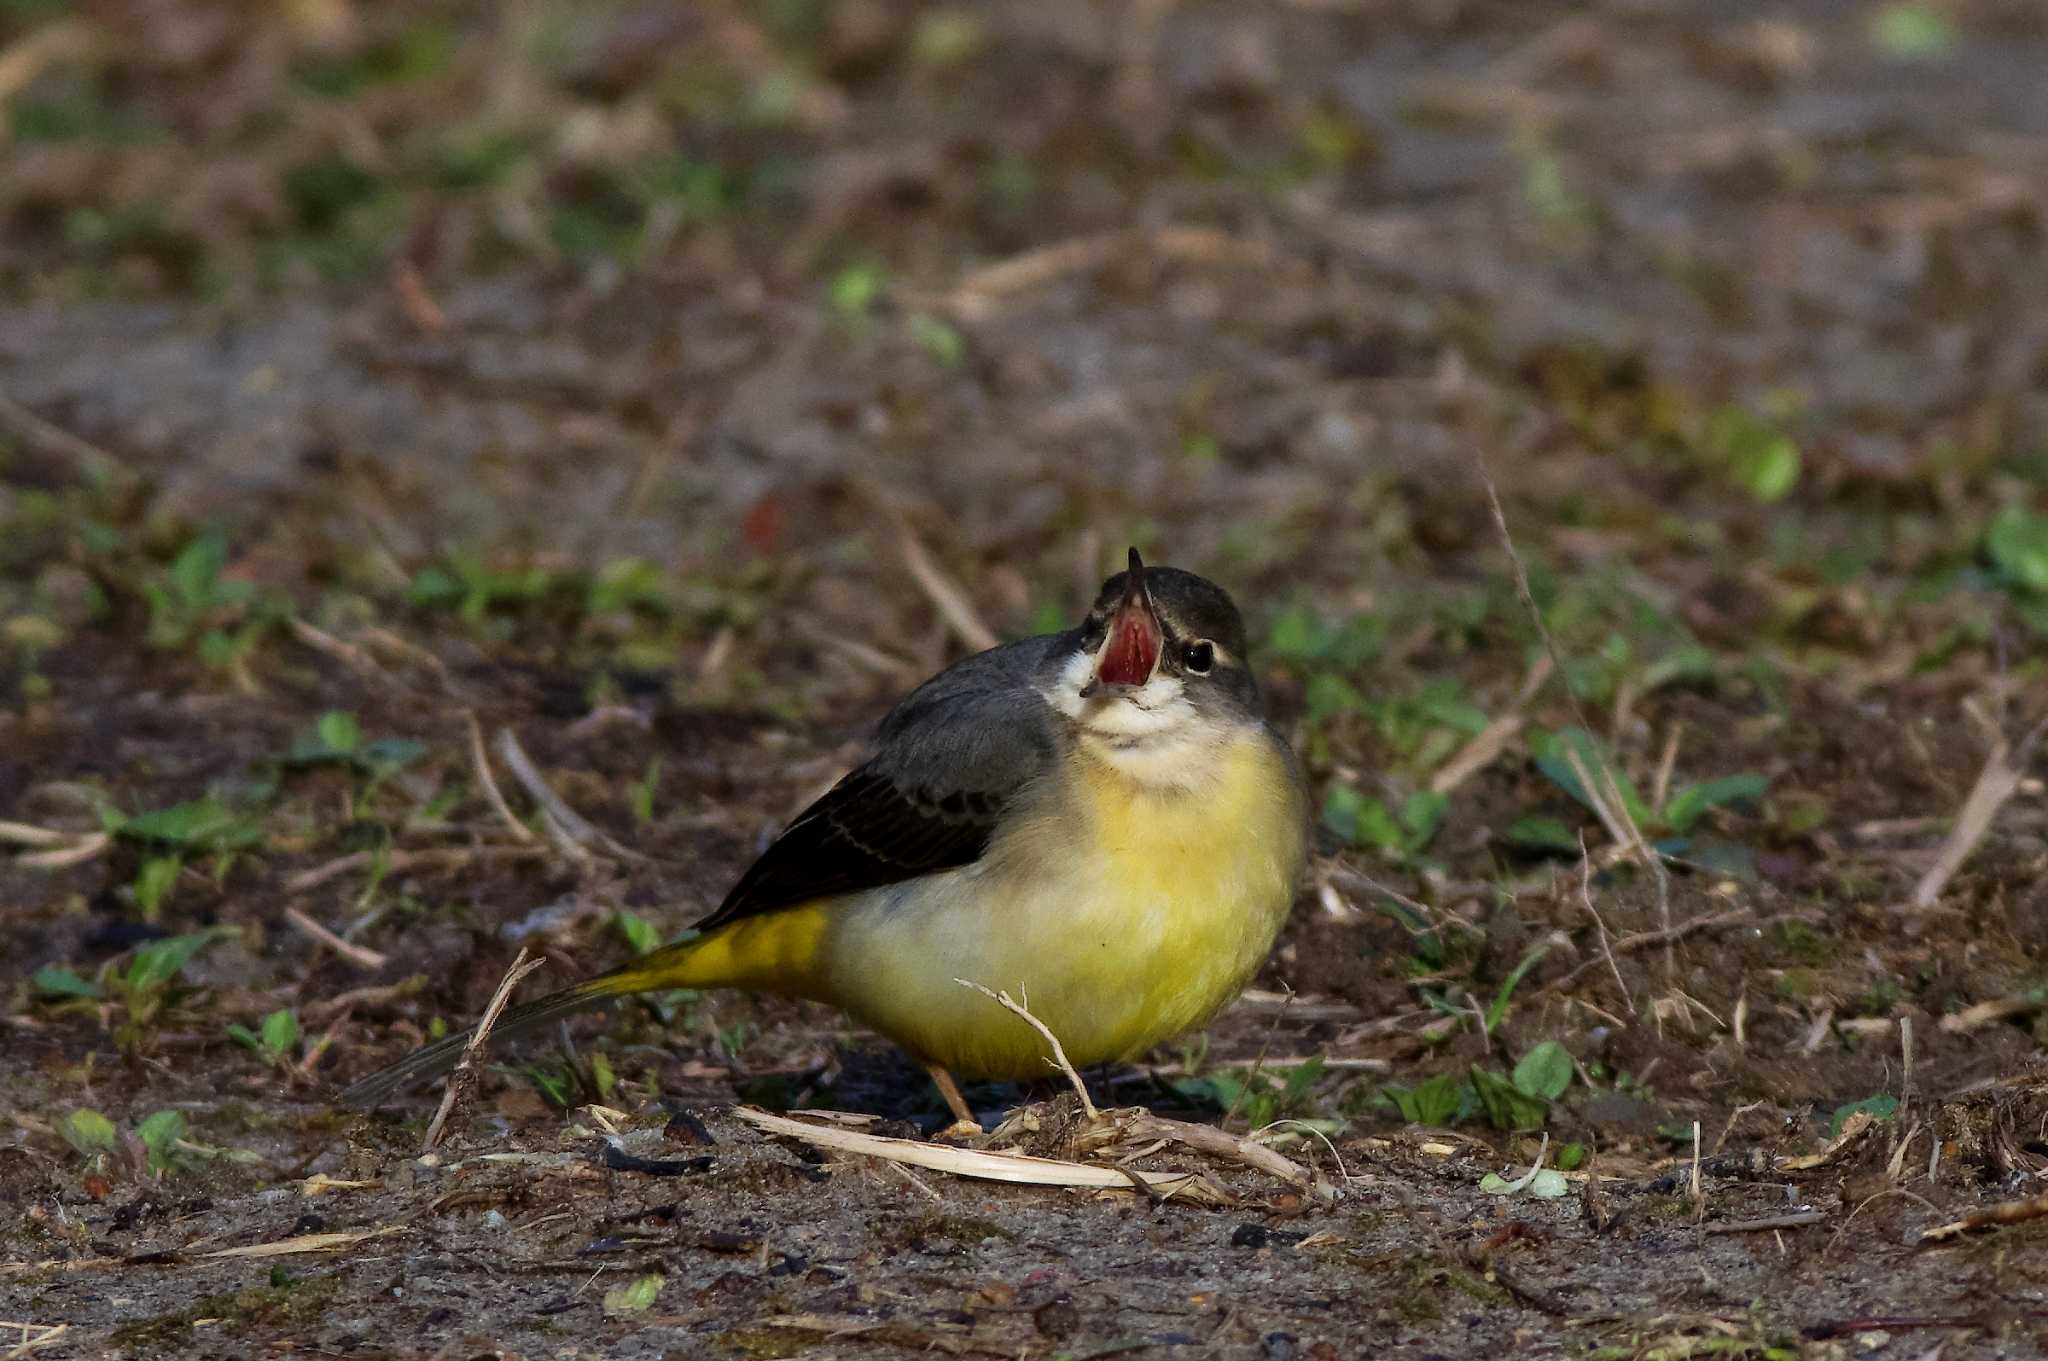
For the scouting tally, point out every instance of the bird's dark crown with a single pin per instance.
(1189, 607)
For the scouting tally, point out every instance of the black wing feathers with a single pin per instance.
(952, 755)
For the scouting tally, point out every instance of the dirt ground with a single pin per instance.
(668, 388)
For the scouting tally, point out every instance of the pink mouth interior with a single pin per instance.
(1132, 650)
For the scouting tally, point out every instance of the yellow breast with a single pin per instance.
(1121, 913)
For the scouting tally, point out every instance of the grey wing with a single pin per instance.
(949, 759)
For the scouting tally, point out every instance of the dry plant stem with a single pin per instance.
(451, 857)
(34, 1337)
(557, 816)
(480, 762)
(348, 654)
(1059, 1054)
(1619, 813)
(2006, 1212)
(32, 430)
(359, 955)
(1996, 783)
(1223, 1144)
(464, 1076)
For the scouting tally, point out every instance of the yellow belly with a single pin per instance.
(1119, 914)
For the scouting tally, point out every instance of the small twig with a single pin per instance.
(331, 1008)
(1790, 1221)
(359, 955)
(464, 1076)
(2006, 1212)
(1059, 1054)
(1222, 1143)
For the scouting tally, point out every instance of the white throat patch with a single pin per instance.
(1152, 735)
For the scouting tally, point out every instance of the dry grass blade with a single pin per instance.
(88, 847)
(1489, 742)
(1606, 795)
(480, 762)
(359, 955)
(984, 1166)
(348, 654)
(946, 596)
(34, 1337)
(464, 1076)
(568, 828)
(1990, 1013)
(307, 1242)
(24, 834)
(53, 440)
(1996, 783)
(396, 862)
(1058, 1058)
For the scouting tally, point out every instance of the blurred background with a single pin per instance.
(668, 387)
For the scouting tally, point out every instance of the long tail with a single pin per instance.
(430, 1061)
(776, 952)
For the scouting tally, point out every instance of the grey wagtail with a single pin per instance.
(1099, 822)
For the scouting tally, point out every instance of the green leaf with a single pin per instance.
(1329, 694)
(280, 1033)
(1421, 814)
(1912, 31)
(1545, 1071)
(245, 1037)
(1436, 1102)
(1507, 1106)
(154, 879)
(87, 1131)
(1554, 753)
(1878, 1108)
(1542, 833)
(1496, 1013)
(1687, 806)
(2018, 543)
(202, 824)
(640, 933)
(602, 1075)
(635, 1297)
(339, 732)
(937, 338)
(196, 570)
(160, 1134)
(55, 981)
(158, 962)
(1570, 1156)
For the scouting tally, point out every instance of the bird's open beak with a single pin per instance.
(1131, 650)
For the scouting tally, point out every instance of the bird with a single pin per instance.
(1100, 822)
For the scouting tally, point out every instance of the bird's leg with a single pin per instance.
(964, 1125)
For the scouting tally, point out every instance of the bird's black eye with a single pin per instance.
(1198, 657)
